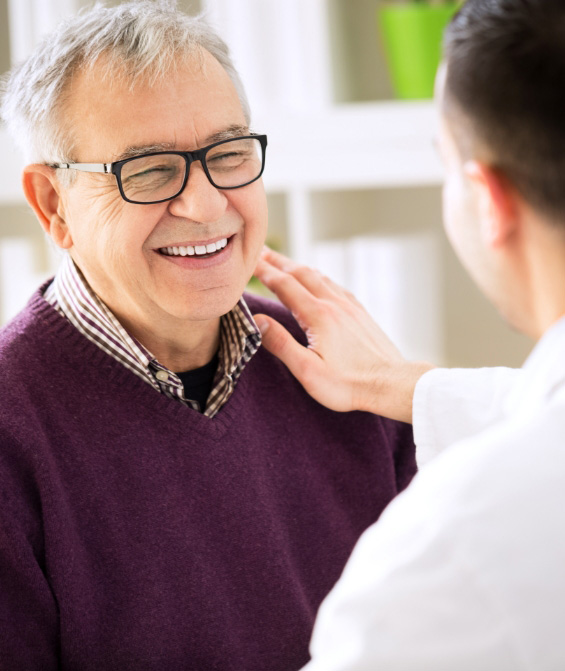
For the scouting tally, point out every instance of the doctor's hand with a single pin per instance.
(349, 364)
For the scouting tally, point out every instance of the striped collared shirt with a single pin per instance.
(70, 294)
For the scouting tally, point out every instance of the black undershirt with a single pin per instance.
(198, 383)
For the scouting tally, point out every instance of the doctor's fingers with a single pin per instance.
(299, 299)
(313, 280)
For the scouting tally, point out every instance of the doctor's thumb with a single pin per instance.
(280, 342)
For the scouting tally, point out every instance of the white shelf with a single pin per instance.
(363, 145)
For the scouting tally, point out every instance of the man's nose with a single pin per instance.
(199, 200)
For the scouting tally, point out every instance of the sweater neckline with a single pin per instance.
(60, 329)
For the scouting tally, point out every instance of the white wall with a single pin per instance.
(316, 78)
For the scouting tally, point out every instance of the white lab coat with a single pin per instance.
(465, 571)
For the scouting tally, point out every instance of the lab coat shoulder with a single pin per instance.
(452, 404)
(464, 569)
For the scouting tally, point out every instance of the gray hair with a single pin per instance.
(142, 40)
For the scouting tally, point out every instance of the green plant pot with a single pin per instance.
(412, 36)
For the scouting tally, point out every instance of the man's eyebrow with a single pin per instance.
(225, 134)
(228, 133)
(138, 150)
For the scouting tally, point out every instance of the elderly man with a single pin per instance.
(465, 570)
(171, 498)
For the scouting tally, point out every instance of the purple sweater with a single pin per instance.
(136, 533)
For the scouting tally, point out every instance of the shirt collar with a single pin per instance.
(240, 337)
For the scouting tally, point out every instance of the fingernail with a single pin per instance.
(263, 325)
(263, 277)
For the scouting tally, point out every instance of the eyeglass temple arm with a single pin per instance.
(85, 167)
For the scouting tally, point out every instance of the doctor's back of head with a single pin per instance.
(504, 96)
(502, 139)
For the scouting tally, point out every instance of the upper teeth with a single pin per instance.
(197, 250)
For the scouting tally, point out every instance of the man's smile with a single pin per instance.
(202, 249)
(198, 255)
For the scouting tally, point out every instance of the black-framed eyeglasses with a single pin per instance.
(159, 176)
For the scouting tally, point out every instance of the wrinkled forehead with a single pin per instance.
(184, 105)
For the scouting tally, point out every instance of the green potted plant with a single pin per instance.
(411, 33)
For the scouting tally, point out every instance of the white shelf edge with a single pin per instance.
(366, 145)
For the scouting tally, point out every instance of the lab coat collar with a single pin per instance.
(544, 373)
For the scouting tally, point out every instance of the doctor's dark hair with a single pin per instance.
(505, 93)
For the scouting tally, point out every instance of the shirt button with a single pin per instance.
(162, 375)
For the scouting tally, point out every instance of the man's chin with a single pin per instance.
(208, 307)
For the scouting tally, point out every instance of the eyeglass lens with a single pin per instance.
(230, 164)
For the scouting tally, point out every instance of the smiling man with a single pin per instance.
(184, 257)
(171, 497)
(187, 254)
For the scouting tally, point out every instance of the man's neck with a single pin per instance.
(179, 344)
(185, 348)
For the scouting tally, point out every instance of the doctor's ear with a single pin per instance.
(498, 204)
(43, 192)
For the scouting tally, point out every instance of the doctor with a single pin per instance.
(465, 571)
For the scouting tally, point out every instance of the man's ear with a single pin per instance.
(497, 200)
(43, 192)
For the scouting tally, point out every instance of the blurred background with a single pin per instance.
(352, 176)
